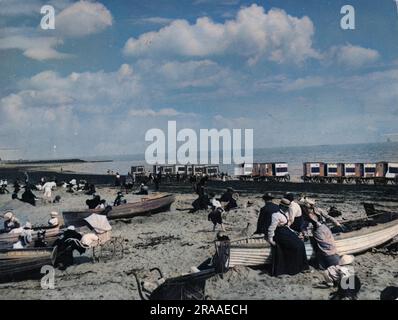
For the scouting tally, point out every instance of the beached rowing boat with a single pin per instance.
(146, 206)
(255, 251)
(51, 234)
(26, 263)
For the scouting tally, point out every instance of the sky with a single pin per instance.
(111, 70)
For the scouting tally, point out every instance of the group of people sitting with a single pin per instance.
(204, 200)
(100, 204)
(287, 225)
(25, 238)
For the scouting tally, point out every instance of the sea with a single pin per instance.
(294, 156)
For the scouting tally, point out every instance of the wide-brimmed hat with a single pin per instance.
(346, 259)
(268, 196)
(309, 203)
(8, 215)
(284, 202)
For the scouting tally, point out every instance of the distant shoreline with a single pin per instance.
(49, 162)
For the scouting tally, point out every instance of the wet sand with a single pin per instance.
(176, 240)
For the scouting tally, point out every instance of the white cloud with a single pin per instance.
(202, 73)
(97, 108)
(253, 34)
(73, 20)
(353, 56)
(284, 84)
(83, 18)
(38, 48)
(14, 8)
(154, 20)
(167, 112)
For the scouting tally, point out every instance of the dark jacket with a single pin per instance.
(231, 202)
(265, 217)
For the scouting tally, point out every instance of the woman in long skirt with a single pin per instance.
(288, 254)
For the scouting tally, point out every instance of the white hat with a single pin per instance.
(28, 225)
(8, 215)
(346, 259)
(54, 214)
(309, 201)
(285, 202)
(71, 228)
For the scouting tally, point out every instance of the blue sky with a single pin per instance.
(111, 70)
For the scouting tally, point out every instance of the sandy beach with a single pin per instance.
(176, 240)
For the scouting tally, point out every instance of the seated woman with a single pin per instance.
(102, 205)
(230, 197)
(90, 189)
(25, 238)
(94, 202)
(10, 222)
(201, 203)
(323, 241)
(66, 244)
(289, 256)
(53, 221)
(28, 196)
(119, 200)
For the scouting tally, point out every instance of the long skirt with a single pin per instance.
(288, 256)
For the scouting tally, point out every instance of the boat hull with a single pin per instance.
(8, 239)
(145, 207)
(25, 263)
(257, 251)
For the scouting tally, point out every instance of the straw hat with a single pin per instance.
(310, 202)
(346, 259)
(8, 215)
(284, 202)
(54, 214)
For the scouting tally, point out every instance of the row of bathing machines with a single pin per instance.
(317, 172)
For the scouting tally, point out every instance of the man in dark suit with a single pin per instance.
(264, 219)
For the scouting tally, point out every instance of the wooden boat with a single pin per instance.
(186, 287)
(256, 251)
(26, 263)
(146, 206)
(51, 234)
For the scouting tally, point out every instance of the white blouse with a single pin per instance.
(278, 219)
